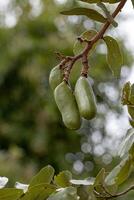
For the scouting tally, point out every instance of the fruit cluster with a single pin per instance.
(73, 105)
(128, 99)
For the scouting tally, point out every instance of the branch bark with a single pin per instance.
(114, 196)
(98, 36)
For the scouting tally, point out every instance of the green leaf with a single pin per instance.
(82, 192)
(91, 1)
(131, 121)
(89, 181)
(40, 192)
(99, 181)
(111, 1)
(63, 179)
(126, 143)
(44, 176)
(107, 14)
(114, 56)
(112, 189)
(100, 177)
(92, 196)
(88, 35)
(69, 193)
(132, 2)
(98, 1)
(126, 93)
(90, 13)
(91, 193)
(120, 173)
(10, 194)
(132, 95)
(131, 111)
(131, 152)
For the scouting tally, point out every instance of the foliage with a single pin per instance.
(47, 186)
(27, 53)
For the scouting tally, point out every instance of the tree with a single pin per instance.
(103, 186)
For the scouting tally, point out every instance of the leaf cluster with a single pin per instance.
(47, 186)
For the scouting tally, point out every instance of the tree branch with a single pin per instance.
(100, 196)
(84, 54)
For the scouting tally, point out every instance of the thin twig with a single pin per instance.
(98, 195)
(90, 43)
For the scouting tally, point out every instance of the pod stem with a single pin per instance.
(70, 60)
(84, 71)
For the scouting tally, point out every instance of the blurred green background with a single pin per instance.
(31, 130)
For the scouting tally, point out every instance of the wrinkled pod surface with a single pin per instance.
(55, 77)
(85, 98)
(67, 105)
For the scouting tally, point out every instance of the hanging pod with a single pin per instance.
(67, 105)
(55, 77)
(85, 98)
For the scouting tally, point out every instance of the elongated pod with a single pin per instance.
(85, 98)
(67, 105)
(55, 77)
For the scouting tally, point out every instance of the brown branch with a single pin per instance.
(98, 195)
(90, 44)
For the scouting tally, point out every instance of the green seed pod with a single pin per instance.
(55, 77)
(67, 105)
(85, 98)
(131, 111)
